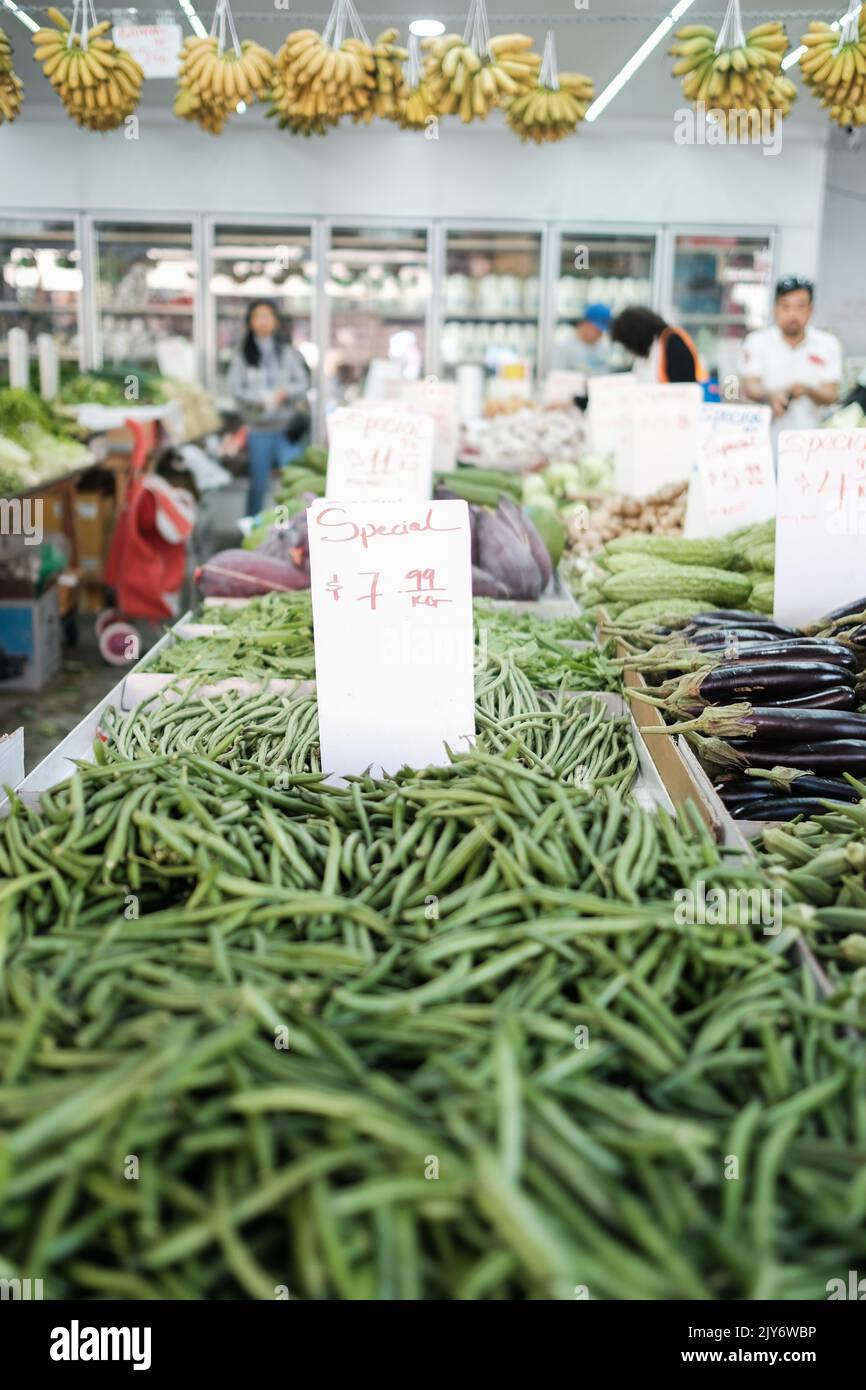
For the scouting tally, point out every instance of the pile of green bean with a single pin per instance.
(573, 738)
(821, 865)
(276, 612)
(440, 1036)
(253, 656)
(233, 729)
(536, 646)
(270, 634)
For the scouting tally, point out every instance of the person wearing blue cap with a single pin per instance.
(588, 349)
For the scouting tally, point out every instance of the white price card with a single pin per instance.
(665, 432)
(155, 47)
(610, 418)
(439, 400)
(733, 481)
(384, 452)
(820, 523)
(560, 388)
(392, 616)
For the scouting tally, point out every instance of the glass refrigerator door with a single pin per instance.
(602, 268)
(146, 282)
(491, 299)
(378, 292)
(40, 283)
(273, 263)
(721, 292)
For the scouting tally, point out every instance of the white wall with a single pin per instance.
(615, 171)
(842, 282)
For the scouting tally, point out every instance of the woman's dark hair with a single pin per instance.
(637, 329)
(283, 333)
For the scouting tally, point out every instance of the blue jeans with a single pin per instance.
(267, 452)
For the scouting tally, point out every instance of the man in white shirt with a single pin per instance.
(792, 367)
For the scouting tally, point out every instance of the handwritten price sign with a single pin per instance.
(384, 452)
(733, 483)
(155, 47)
(665, 436)
(392, 616)
(438, 399)
(610, 417)
(821, 523)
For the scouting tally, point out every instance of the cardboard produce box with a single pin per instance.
(94, 528)
(30, 653)
(667, 752)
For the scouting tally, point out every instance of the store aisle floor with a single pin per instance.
(48, 715)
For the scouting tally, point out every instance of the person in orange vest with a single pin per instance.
(662, 353)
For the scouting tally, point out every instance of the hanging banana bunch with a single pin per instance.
(320, 78)
(219, 72)
(390, 92)
(553, 108)
(733, 70)
(472, 75)
(11, 87)
(98, 83)
(834, 66)
(419, 107)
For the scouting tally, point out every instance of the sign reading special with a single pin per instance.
(392, 615)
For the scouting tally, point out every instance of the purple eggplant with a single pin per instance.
(834, 756)
(742, 679)
(833, 788)
(708, 637)
(837, 697)
(782, 808)
(789, 649)
(741, 788)
(741, 618)
(786, 781)
(803, 725)
(848, 611)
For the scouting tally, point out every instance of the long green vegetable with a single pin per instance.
(570, 737)
(443, 1036)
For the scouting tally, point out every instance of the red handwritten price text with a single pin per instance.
(811, 442)
(423, 592)
(841, 487)
(398, 422)
(352, 531)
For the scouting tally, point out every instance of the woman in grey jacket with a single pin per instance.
(269, 379)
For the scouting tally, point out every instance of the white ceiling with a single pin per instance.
(596, 40)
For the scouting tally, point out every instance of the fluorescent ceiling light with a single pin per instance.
(20, 15)
(797, 53)
(194, 22)
(638, 59)
(427, 28)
